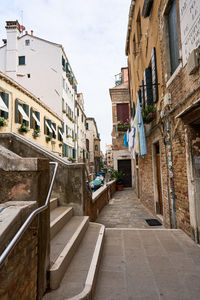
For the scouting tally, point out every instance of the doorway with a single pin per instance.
(125, 166)
(158, 182)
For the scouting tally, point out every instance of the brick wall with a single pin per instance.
(18, 276)
(95, 206)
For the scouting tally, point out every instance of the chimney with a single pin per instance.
(26, 32)
(31, 32)
(13, 32)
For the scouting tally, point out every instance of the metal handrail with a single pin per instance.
(18, 235)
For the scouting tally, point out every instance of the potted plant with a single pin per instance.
(36, 133)
(74, 139)
(148, 114)
(49, 138)
(23, 128)
(2, 122)
(61, 144)
(123, 126)
(68, 135)
(71, 159)
(118, 175)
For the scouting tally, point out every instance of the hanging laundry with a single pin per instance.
(125, 140)
(140, 125)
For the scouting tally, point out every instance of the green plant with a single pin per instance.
(149, 113)
(68, 135)
(23, 128)
(61, 144)
(71, 159)
(74, 139)
(3, 122)
(49, 138)
(118, 175)
(36, 132)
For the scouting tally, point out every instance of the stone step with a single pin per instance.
(53, 203)
(64, 246)
(79, 279)
(58, 218)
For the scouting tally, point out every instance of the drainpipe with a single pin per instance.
(171, 173)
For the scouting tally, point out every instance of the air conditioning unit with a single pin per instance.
(167, 99)
(193, 62)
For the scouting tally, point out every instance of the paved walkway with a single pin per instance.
(125, 211)
(145, 263)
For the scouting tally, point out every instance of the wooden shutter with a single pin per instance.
(38, 116)
(122, 112)
(45, 126)
(154, 75)
(26, 109)
(173, 37)
(54, 135)
(5, 98)
(148, 87)
(16, 111)
(48, 132)
(142, 94)
(31, 117)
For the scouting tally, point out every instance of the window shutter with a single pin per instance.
(140, 97)
(38, 116)
(173, 38)
(44, 125)
(5, 98)
(154, 75)
(66, 129)
(142, 94)
(62, 127)
(16, 111)
(54, 135)
(74, 153)
(31, 117)
(122, 112)
(48, 132)
(148, 87)
(26, 109)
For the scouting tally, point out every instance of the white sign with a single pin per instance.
(190, 26)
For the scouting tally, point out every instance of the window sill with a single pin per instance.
(174, 75)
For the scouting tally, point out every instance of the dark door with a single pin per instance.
(160, 203)
(125, 166)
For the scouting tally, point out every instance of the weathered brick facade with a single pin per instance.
(177, 124)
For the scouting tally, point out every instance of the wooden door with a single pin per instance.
(125, 166)
(158, 173)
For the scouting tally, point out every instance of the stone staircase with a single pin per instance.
(75, 251)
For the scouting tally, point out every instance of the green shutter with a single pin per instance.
(31, 117)
(54, 135)
(38, 116)
(44, 125)
(16, 111)
(26, 109)
(66, 129)
(49, 122)
(74, 154)
(5, 98)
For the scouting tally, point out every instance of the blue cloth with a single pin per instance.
(125, 140)
(143, 147)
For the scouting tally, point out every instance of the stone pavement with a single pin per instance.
(125, 211)
(145, 263)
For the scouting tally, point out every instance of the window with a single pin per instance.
(173, 37)
(139, 28)
(47, 127)
(122, 112)
(29, 75)
(66, 129)
(21, 60)
(27, 42)
(63, 104)
(82, 117)
(63, 62)
(4, 105)
(87, 126)
(21, 113)
(65, 150)
(146, 11)
(148, 92)
(34, 119)
(77, 112)
(96, 147)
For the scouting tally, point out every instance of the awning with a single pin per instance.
(53, 128)
(60, 133)
(2, 105)
(36, 119)
(22, 112)
(50, 130)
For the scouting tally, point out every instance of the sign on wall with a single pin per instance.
(190, 26)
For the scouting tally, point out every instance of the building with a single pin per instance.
(109, 156)
(43, 68)
(120, 99)
(81, 129)
(22, 112)
(163, 57)
(92, 147)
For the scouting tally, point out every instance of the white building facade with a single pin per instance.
(42, 67)
(81, 129)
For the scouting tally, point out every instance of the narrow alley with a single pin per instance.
(143, 262)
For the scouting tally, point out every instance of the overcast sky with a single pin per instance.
(93, 33)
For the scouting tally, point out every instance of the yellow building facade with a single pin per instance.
(23, 113)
